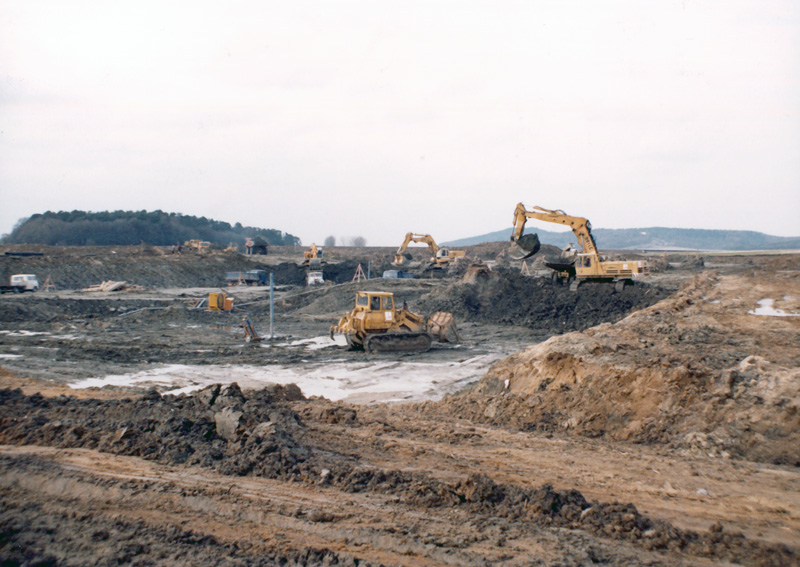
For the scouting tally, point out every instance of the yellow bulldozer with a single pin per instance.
(440, 257)
(587, 265)
(376, 325)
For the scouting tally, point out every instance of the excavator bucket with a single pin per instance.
(442, 326)
(524, 247)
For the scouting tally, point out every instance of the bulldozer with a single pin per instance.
(440, 257)
(586, 265)
(376, 325)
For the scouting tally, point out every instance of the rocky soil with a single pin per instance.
(657, 426)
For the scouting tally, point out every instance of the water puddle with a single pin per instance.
(357, 382)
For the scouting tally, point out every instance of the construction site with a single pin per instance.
(414, 406)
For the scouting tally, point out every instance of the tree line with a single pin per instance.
(120, 228)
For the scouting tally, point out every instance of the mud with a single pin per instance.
(262, 434)
(540, 304)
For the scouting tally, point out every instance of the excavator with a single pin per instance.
(312, 256)
(588, 264)
(440, 257)
(376, 325)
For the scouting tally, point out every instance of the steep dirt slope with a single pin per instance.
(703, 370)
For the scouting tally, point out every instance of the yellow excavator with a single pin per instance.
(312, 256)
(588, 264)
(440, 257)
(376, 325)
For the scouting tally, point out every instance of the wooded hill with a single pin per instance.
(120, 228)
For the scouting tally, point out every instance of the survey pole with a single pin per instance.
(271, 306)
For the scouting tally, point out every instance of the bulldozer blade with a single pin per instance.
(524, 247)
(442, 326)
(397, 342)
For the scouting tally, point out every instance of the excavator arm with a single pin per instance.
(399, 257)
(579, 225)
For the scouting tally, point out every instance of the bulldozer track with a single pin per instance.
(397, 342)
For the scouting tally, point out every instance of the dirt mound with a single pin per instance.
(217, 428)
(700, 370)
(509, 298)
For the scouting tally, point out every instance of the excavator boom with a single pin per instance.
(581, 228)
(439, 256)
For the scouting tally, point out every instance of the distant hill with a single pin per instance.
(121, 228)
(653, 238)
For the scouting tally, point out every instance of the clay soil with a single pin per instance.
(656, 426)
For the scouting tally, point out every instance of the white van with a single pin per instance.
(26, 282)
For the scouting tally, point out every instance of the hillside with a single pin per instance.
(653, 238)
(121, 228)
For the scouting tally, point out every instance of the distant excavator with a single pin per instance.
(312, 256)
(588, 264)
(440, 257)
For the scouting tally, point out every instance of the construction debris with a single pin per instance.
(108, 286)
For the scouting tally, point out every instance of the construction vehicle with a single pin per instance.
(313, 256)
(199, 245)
(587, 264)
(440, 257)
(376, 325)
(314, 277)
(250, 277)
(20, 283)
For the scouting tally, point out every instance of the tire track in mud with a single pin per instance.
(259, 435)
(165, 514)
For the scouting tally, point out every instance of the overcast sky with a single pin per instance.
(374, 118)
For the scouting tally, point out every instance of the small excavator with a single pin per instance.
(588, 264)
(376, 325)
(440, 257)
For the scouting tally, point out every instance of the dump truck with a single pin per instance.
(587, 265)
(377, 325)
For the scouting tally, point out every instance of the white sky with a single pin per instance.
(378, 118)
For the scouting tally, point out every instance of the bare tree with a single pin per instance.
(358, 241)
(330, 241)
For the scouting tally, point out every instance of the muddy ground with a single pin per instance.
(657, 426)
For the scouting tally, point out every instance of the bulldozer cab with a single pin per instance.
(377, 309)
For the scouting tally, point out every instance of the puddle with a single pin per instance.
(357, 382)
(766, 309)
